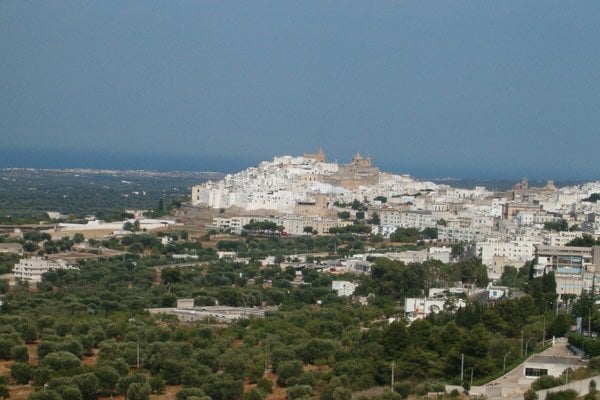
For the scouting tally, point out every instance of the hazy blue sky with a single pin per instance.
(438, 88)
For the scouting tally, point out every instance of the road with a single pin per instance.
(512, 383)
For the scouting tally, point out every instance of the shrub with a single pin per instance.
(546, 382)
(157, 384)
(138, 391)
(562, 395)
(19, 353)
(20, 373)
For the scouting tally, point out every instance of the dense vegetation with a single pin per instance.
(26, 195)
(101, 308)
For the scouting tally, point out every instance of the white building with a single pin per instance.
(513, 250)
(407, 219)
(560, 238)
(31, 269)
(421, 307)
(458, 234)
(407, 257)
(292, 225)
(443, 254)
(343, 288)
(575, 268)
(540, 365)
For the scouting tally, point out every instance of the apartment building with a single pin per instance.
(31, 269)
(574, 267)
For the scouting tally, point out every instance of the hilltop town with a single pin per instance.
(307, 195)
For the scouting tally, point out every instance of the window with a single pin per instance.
(535, 372)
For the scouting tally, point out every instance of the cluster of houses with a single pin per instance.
(303, 195)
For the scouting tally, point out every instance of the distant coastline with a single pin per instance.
(456, 182)
(161, 163)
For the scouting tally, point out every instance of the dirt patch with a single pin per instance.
(20, 392)
(169, 394)
(311, 367)
(91, 360)
(278, 393)
(5, 367)
(32, 350)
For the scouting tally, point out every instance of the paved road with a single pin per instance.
(510, 381)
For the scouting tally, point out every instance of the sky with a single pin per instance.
(477, 89)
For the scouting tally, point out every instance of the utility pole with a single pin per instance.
(590, 321)
(544, 331)
(504, 363)
(138, 354)
(393, 366)
(526, 345)
(266, 355)
(462, 367)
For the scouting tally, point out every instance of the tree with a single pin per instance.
(405, 235)
(69, 392)
(429, 233)
(223, 387)
(4, 393)
(20, 373)
(264, 385)
(543, 291)
(186, 393)
(108, 377)
(458, 249)
(375, 219)
(514, 278)
(157, 384)
(87, 384)
(343, 214)
(559, 326)
(395, 339)
(254, 394)
(560, 225)
(29, 247)
(44, 394)
(28, 332)
(60, 360)
(78, 238)
(584, 241)
(3, 286)
(127, 381)
(19, 353)
(299, 392)
(358, 205)
(138, 391)
(342, 393)
(170, 275)
(41, 375)
(288, 369)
